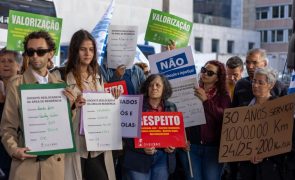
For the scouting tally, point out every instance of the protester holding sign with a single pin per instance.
(152, 163)
(255, 58)
(39, 47)
(133, 77)
(82, 74)
(10, 63)
(274, 167)
(203, 140)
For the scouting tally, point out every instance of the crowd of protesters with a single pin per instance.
(220, 86)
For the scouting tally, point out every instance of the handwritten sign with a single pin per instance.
(160, 130)
(122, 43)
(46, 119)
(187, 103)
(119, 84)
(175, 65)
(261, 130)
(101, 122)
(130, 112)
(163, 27)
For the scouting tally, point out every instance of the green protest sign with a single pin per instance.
(21, 23)
(164, 27)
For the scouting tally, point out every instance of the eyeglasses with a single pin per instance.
(259, 82)
(40, 52)
(255, 63)
(208, 72)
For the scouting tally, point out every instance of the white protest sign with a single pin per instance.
(122, 43)
(187, 103)
(130, 112)
(101, 122)
(175, 65)
(46, 119)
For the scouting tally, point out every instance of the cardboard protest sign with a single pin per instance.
(22, 23)
(160, 130)
(164, 27)
(119, 84)
(175, 65)
(261, 130)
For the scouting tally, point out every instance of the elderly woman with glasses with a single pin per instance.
(152, 163)
(203, 140)
(274, 167)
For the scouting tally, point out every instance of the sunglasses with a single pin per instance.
(208, 72)
(40, 52)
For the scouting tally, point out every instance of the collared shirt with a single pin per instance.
(160, 108)
(40, 79)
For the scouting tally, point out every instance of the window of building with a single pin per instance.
(278, 11)
(264, 37)
(199, 44)
(215, 45)
(280, 35)
(261, 13)
(275, 12)
(289, 33)
(251, 45)
(230, 47)
(277, 35)
(282, 11)
(289, 10)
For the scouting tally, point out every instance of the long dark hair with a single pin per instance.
(167, 90)
(221, 75)
(73, 64)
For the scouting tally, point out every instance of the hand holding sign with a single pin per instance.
(120, 71)
(121, 85)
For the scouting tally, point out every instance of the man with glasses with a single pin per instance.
(39, 47)
(255, 58)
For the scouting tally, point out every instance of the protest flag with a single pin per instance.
(100, 32)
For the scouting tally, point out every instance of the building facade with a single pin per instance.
(273, 21)
(219, 28)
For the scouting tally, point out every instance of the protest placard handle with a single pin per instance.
(189, 159)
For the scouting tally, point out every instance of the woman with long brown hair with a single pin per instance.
(82, 74)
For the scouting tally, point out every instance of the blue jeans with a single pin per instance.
(204, 160)
(158, 171)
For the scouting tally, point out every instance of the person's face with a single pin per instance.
(233, 75)
(260, 86)
(8, 66)
(254, 61)
(209, 74)
(38, 61)
(156, 88)
(86, 52)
